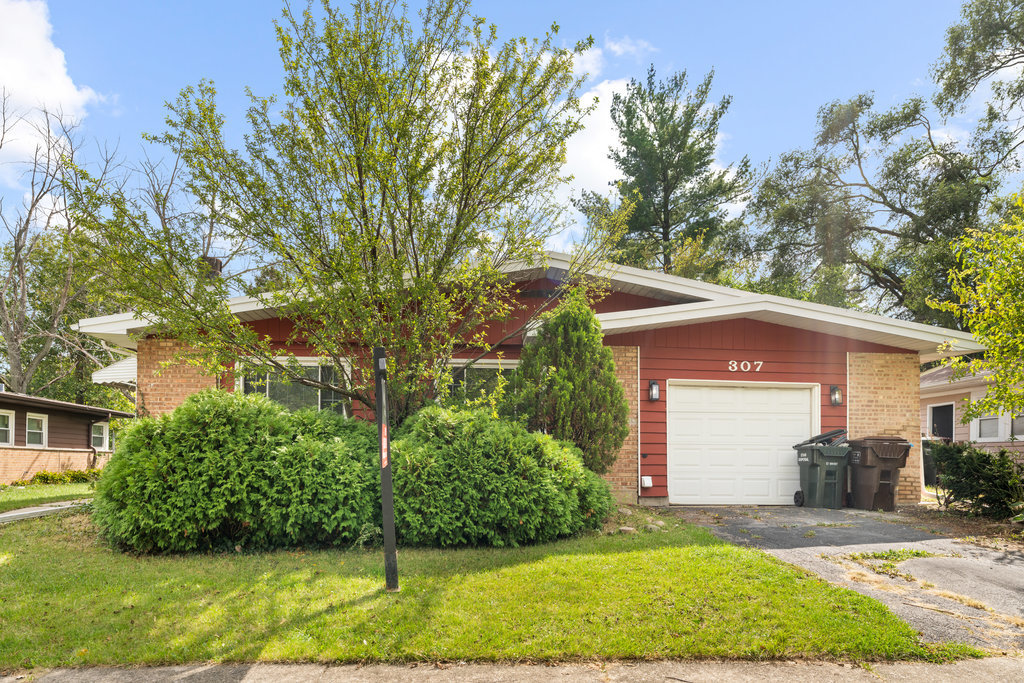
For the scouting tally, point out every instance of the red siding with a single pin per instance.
(703, 351)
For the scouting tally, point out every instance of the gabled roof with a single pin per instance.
(924, 339)
(688, 302)
(940, 381)
(13, 398)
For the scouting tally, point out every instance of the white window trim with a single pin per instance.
(10, 430)
(931, 419)
(1002, 425)
(306, 362)
(487, 363)
(46, 430)
(106, 436)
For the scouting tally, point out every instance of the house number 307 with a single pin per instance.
(745, 365)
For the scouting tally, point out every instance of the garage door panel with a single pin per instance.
(734, 444)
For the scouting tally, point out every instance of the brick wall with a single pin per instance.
(622, 475)
(162, 388)
(884, 399)
(22, 463)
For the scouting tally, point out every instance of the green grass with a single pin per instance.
(66, 599)
(13, 497)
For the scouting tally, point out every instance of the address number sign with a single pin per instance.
(745, 365)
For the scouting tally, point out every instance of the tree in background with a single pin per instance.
(408, 163)
(668, 138)
(989, 289)
(565, 384)
(49, 273)
(868, 215)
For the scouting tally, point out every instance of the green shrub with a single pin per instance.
(227, 470)
(465, 478)
(566, 386)
(990, 484)
(65, 477)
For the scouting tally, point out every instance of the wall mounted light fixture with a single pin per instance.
(653, 391)
(836, 394)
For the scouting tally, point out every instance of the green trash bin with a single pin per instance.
(822, 461)
(875, 464)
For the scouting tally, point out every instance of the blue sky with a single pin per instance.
(780, 61)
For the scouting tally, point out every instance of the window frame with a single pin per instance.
(306, 362)
(10, 415)
(45, 430)
(106, 436)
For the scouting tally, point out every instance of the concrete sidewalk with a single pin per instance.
(989, 670)
(39, 510)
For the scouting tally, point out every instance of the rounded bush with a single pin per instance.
(464, 478)
(227, 470)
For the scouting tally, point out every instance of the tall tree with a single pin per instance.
(406, 164)
(49, 275)
(989, 300)
(668, 139)
(868, 215)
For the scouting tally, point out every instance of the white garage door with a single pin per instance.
(734, 444)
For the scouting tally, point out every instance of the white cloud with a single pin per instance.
(626, 46)
(587, 156)
(590, 63)
(34, 75)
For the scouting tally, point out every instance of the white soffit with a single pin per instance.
(124, 371)
(924, 339)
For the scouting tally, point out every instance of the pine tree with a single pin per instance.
(566, 386)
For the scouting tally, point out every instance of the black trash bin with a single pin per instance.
(822, 461)
(875, 464)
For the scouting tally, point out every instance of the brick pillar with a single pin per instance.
(162, 388)
(884, 399)
(622, 475)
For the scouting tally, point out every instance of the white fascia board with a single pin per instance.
(649, 279)
(924, 339)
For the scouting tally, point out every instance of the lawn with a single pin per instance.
(66, 599)
(13, 497)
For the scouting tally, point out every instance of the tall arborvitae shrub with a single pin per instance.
(566, 386)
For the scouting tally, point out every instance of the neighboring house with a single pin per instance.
(38, 434)
(943, 403)
(721, 382)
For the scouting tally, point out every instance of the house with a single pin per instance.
(40, 434)
(943, 402)
(721, 382)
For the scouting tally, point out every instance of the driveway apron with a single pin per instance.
(950, 590)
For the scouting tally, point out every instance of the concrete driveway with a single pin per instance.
(953, 590)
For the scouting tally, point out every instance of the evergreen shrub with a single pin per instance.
(227, 470)
(989, 484)
(566, 386)
(464, 477)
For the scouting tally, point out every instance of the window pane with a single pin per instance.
(254, 384)
(5, 429)
(99, 436)
(34, 424)
(331, 400)
(1017, 425)
(293, 396)
(988, 427)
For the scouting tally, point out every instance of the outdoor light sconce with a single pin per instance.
(836, 394)
(653, 391)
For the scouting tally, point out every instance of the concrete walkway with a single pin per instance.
(39, 510)
(957, 592)
(990, 670)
